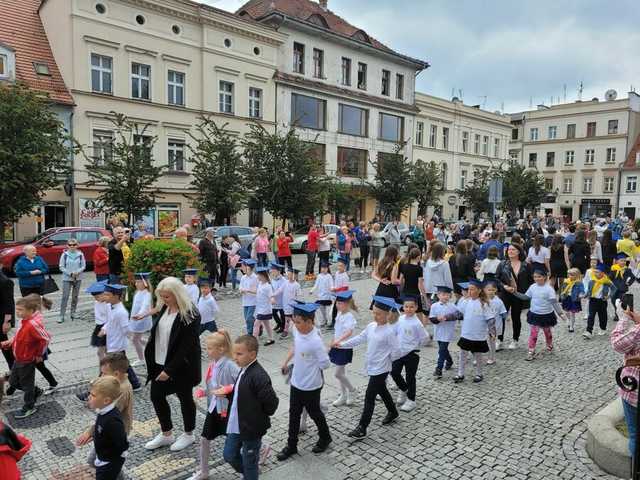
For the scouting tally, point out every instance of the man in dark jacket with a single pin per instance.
(209, 254)
(253, 402)
(7, 310)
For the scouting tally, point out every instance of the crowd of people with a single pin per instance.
(470, 276)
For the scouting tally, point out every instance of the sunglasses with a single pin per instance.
(72, 244)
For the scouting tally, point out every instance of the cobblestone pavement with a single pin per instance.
(525, 421)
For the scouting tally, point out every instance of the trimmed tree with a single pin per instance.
(393, 186)
(127, 173)
(218, 172)
(34, 152)
(428, 184)
(339, 197)
(476, 192)
(523, 188)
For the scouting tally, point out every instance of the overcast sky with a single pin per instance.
(515, 53)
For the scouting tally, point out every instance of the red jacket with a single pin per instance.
(101, 261)
(312, 240)
(283, 247)
(31, 339)
(12, 448)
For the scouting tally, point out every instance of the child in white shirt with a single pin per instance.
(140, 319)
(443, 314)
(499, 314)
(264, 302)
(191, 284)
(290, 292)
(248, 287)
(340, 284)
(101, 314)
(277, 283)
(323, 289)
(344, 327)
(207, 307)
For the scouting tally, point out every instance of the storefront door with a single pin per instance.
(54, 216)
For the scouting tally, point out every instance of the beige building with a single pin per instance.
(163, 63)
(462, 139)
(579, 148)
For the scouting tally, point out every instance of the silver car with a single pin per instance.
(300, 237)
(245, 234)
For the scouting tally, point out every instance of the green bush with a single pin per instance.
(636, 224)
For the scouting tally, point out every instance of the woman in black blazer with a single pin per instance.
(172, 356)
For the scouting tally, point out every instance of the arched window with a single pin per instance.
(361, 36)
(319, 20)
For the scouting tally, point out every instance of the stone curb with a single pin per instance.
(605, 444)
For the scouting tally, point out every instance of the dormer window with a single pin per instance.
(318, 20)
(41, 68)
(361, 36)
(7, 63)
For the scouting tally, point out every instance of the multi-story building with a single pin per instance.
(579, 148)
(344, 91)
(164, 64)
(462, 139)
(628, 191)
(25, 57)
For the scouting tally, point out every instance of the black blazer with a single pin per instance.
(256, 403)
(183, 353)
(7, 304)
(208, 252)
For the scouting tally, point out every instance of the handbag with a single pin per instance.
(355, 253)
(49, 285)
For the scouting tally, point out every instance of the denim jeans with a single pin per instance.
(443, 354)
(249, 318)
(73, 289)
(630, 413)
(243, 455)
(234, 277)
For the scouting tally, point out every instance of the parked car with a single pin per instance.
(52, 242)
(403, 228)
(300, 237)
(245, 234)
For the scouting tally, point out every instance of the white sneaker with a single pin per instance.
(602, 333)
(498, 345)
(587, 334)
(402, 397)
(182, 442)
(349, 399)
(159, 441)
(513, 345)
(408, 405)
(199, 476)
(340, 401)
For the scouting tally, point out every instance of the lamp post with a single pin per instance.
(631, 384)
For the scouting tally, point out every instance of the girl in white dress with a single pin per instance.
(141, 310)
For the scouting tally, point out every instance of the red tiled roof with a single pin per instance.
(21, 29)
(303, 10)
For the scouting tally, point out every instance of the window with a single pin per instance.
(87, 236)
(144, 143)
(433, 134)
(514, 134)
(102, 146)
(386, 81)
(608, 185)
(353, 120)
(591, 129)
(140, 19)
(419, 133)
(227, 43)
(571, 130)
(176, 156)
(298, 58)
(476, 144)
(533, 134)
(226, 97)
(307, 112)
(4, 67)
(176, 29)
(317, 152)
(399, 86)
(496, 147)
(587, 184)
(548, 184)
(485, 145)
(463, 178)
(256, 51)
(346, 71)
(445, 138)
(100, 8)
(513, 155)
(533, 160)
(391, 127)
(569, 155)
(140, 81)
(362, 76)
(255, 102)
(352, 162)
(553, 133)
(318, 63)
(101, 73)
(60, 238)
(175, 88)
(612, 127)
(41, 68)
(465, 142)
(632, 184)
(551, 159)
(567, 185)
(589, 156)
(611, 155)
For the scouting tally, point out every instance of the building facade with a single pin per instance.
(629, 190)
(462, 139)
(580, 149)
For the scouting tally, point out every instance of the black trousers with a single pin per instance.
(309, 400)
(24, 291)
(377, 386)
(8, 353)
(159, 393)
(286, 261)
(323, 257)
(23, 377)
(597, 306)
(515, 305)
(278, 316)
(110, 471)
(410, 364)
(46, 373)
(224, 270)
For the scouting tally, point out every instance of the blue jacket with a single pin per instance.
(577, 291)
(23, 271)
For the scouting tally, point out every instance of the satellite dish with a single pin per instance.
(611, 95)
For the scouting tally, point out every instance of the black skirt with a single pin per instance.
(326, 303)
(264, 317)
(214, 426)
(97, 341)
(341, 356)
(542, 320)
(389, 291)
(474, 346)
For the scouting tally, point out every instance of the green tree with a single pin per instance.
(428, 180)
(218, 172)
(126, 172)
(393, 186)
(282, 173)
(339, 197)
(522, 188)
(476, 192)
(34, 151)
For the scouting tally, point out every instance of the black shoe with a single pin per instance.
(269, 342)
(321, 446)
(437, 373)
(478, 379)
(286, 452)
(458, 379)
(448, 366)
(26, 412)
(390, 418)
(358, 433)
(10, 390)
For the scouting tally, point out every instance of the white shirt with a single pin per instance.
(382, 347)
(117, 328)
(278, 289)
(499, 311)
(141, 304)
(249, 282)
(540, 257)
(232, 425)
(194, 292)
(290, 292)
(542, 298)
(475, 319)
(341, 280)
(309, 359)
(263, 299)
(323, 286)
(344, 323)
(101, 312)
(411, 334)
(208, 307)
(163, 333)
(443, 331)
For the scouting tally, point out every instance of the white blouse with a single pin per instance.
(163, 332)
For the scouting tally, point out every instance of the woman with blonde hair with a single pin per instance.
(172, 356)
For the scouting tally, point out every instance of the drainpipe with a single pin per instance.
(73, 179)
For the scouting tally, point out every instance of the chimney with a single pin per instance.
(323, 4)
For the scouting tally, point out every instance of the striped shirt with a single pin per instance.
(627, 341)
